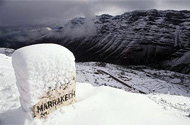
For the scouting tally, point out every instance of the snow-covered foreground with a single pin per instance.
(105, 105)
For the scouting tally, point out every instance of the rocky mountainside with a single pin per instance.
(158, 38)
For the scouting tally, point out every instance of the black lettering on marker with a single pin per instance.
(49, 104)
(40, 109)
(45, 106)
(66, 97)
(58, 101)
(52, 103)
(62, 98)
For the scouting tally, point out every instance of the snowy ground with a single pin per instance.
(142, 78)
(167, 101)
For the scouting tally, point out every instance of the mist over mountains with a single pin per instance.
(156, 38)
(40, 12)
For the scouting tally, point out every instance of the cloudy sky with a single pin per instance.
(24, 12)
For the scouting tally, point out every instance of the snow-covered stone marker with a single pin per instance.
(45, 75)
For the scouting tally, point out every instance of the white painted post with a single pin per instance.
(45, 77)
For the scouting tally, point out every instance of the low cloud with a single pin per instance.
(37, 12)
(25, 12)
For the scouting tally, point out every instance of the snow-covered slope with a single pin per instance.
(142, 78)
(105, 105)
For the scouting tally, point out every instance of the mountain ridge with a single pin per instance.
(159, 38)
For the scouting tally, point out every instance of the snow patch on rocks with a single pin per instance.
(6, 51)
(175, 81)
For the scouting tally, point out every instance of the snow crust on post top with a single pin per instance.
(39, 67)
